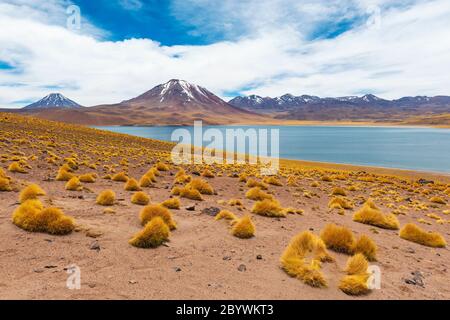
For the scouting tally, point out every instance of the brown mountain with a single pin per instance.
(175, 102)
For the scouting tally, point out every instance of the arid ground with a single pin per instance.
(202, 260)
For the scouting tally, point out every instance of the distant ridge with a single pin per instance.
(53, 100)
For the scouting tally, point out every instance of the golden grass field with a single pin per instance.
(139, 227)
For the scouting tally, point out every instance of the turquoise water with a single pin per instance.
(424, 149)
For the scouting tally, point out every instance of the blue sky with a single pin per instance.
(234, 47)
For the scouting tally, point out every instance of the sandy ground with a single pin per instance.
(202, 260)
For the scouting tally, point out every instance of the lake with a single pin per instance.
(424, 149)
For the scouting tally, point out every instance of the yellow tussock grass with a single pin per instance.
(235, 202)
(367, 247)
(31, 192)
(5, 184)
(154, 234)
(87, 177)
(120, 177)
(244, 228)
(162, 166)
(145, 181)
(172, 203)
(268, 208)
(356, 264)
(273, 180)
(73, 184)
(225, 214)
(106, 198)
(338, 192)
(438, 200)
(302, 258)
(156, 210)
(413, 233)
(256, 193)
(132, 185)
(31, 216)
(375, 217)
(339, 203)
(190, 193)
(16, 167)
(338, 238)
(255, 183)
(207, 173)
(201, 185)
(140, 198)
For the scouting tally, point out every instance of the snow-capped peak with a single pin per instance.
(53, 100)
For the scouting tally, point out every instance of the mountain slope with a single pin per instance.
(366, 108)
(53, 100)
(175, 102)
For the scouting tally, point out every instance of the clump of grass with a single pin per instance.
(64, 174)
(373, 216)
(367, 247)
(302, 258)
(73, 184)
(154, 234)
(182, 179)
(273, 180)
(256, 193)
(244, 228)
(172, 203)
(227, 215)
(31, 216)
(243, 177)
(235, 202)
(132, 185)
(251, 183)
(413, 233)
(5, 184)
(338, 238)
(339, 203)
(106, 198)
(88, 177)
(207, 173)
(120, 177)
(32, 191)
(339, 192)
(201, 185)
(189, 193)
(355, 282)
(145, 181)
(326, 178)
(140, 198)
(268, 208)
(438, 200)
(16, 167)
(156, 210)
(161, 166)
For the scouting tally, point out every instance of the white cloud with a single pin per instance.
(407, 55)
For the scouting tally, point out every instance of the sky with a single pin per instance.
(122, 48)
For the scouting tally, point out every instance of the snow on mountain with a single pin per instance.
(53, 100)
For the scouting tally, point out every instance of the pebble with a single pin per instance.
(242, 267)
(95, 245)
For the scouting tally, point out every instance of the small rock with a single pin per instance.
(50, 266)
(242, 267)
(93, 233)
(132, 281)
(227, 258)
(259, 257)
(95, 245)
(91, 285)
(211, 211)
(190, 208)
(177, 269)
(410, 250)
(311, 229)
(48, 240)
(195, 173)
(416, 280)
(38, 270)
(80, 196)
(425, 181)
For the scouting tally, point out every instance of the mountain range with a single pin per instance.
(178, 102)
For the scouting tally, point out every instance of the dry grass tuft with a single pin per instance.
(201, 185)
(338, 238)
(31, 192)
(154, 234)
(73, 184)
(172, 203)
(339, 192)
(243, 228)
(189, 193)
(268, 208)
(140, 198)
(273, 180)
(369, 215)
(438, 200)
(251, 183)
(356, 264)
(356, 282)
(413, 233)
(106, 198)
(339, 203)
(302, 258)
(88, 177)
(132, 185)
(16, 167)
(227, 215)
(120, 177)
(64, 174)
(367, 247)
(156, 210)
(31, 216)
(5, 184)
(256, 193)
